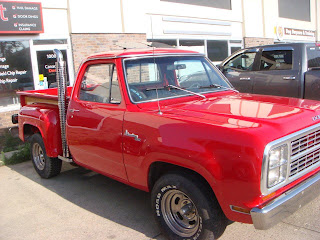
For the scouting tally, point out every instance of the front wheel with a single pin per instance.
(185, 209)
(45, 166)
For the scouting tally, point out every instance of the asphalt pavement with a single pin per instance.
(80, 204)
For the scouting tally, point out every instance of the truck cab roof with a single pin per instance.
(141, 52)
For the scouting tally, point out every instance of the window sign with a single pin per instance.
(47, 68)
(20, 17)
(15, 70)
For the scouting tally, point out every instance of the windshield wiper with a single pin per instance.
(213, 86)
(198, 94)
(175, 87)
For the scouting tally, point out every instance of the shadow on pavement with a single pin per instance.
(100, 195)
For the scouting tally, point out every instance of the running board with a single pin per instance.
(69, 160)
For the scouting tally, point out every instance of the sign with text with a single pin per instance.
(20, 17)
(299, 32)
(286, 33)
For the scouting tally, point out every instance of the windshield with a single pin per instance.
(167, 77)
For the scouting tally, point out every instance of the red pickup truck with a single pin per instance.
(166, 121)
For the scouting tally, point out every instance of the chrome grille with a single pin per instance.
(304, 162)
(304, 143)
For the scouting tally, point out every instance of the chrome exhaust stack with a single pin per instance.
(61, 75)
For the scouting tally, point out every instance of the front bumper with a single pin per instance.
(286, 204)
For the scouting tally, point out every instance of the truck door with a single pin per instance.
(240, 70)
(95, 119)
(278, 73)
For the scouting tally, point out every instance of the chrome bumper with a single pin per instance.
(286, 204)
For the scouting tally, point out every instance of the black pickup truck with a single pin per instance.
(291, 70)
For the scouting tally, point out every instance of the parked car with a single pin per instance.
(165, 121)
(290, 70)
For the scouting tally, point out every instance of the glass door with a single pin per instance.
(44, 69)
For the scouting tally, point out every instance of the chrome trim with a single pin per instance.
(68, 160)
(173, 55)
(285, 140)
(135, 136)
(286, 204)
(61, 77)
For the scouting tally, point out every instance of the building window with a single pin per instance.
(295, 9)
(224, 4)
(15, 71)
(217, 50)
(193, 45)
(163, 43)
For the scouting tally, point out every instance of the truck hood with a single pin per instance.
(240, 110)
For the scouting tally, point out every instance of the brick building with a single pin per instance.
(30, 31)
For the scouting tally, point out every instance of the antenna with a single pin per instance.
(154, 64)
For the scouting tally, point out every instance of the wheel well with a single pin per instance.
(29, 130)
(158, 169)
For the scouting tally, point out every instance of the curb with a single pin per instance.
(7, 155)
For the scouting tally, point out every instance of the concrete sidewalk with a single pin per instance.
(80, 204)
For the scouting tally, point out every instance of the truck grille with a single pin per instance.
(306, 142)
(304, 162)
(302, 146)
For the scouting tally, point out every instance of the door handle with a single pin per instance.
(245, 79)
(289, 78)
(74, 110)
(136, 137)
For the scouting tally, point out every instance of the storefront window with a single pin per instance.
(193, 45)
(15, 70)
(163, 43)
(224, 4)
(217, 50)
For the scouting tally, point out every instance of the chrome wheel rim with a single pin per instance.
(38, 156)
(180, 213)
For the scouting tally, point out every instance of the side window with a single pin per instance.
(243, 62)
(276, 60)
(95, 85)
(115, 90)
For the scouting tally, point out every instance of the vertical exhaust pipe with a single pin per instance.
(61, 76)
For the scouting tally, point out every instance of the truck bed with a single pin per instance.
(49, 96)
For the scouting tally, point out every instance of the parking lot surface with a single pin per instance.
(80, 204)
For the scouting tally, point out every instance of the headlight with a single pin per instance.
(277, 167)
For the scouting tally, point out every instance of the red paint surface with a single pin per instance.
(222, 137)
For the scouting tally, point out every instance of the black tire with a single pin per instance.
(185, 209)
(45, 166)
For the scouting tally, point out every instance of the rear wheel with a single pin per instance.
(185, 209)
(45, 166)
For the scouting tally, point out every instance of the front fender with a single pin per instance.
(228, 159)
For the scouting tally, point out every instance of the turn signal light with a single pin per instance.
(240, 209)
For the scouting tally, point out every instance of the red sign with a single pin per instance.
(20, 17)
